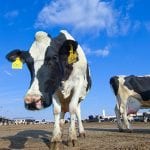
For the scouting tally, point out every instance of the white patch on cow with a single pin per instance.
(123, 91)
(56, 111)
(80, 70)
(34, 89)
(133, 105)
(37, 51)
(78, 114)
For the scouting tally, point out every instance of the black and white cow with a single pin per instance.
(56, 79)
(132, 93)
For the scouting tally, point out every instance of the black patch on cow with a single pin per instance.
(140, 85)
(49, 75)
(88, 78)
(65, 48)
(115, 84)
(25, 58)
(11, 56)
(23, 55)
(63, 56)
(30, 64)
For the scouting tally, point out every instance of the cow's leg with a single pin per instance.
(73, 109)
(72, 128)
(62, 120)
(81, 128)
(57, 130)
(123, 110)
(118, 115)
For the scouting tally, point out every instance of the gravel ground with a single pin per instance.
(99, 136)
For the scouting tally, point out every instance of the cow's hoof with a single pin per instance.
(82, 135)
(121, 130)
(56, 138)
(56, 146)
(72, 143)
(128, 131)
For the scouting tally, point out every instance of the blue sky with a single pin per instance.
(115, 36)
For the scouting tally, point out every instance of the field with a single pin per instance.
(99, 136)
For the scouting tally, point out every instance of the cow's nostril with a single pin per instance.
(30, 106)
(36, 97)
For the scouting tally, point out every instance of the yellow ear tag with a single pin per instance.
(72, 58)
(17, 64)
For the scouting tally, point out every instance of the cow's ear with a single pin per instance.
(69, 49)
(11, 56)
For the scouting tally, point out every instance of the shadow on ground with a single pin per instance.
(143, 131)
(18, 141)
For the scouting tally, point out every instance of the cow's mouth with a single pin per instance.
(34, 102)
(37, 105)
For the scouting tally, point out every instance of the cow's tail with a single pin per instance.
(88, 77)
(114, 82)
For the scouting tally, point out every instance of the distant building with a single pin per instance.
(5, 121)
(103, 113)
(25, 120)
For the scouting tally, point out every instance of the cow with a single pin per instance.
(59, 76)
(132, 93)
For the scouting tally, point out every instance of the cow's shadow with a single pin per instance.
(19, 140)
(140, 131)
(101, 129)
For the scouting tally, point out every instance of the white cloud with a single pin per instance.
(11, 14)
(124, 25)
(99, 53)
(7, 73)
(136, 25)
(87, 15)
(102, 52)
(130, 5)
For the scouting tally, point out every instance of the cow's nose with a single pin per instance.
(32, 98)
(33, 102)
(30, 106)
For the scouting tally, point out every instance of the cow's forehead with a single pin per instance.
(40, 45)
(38, 49)
(44, 42)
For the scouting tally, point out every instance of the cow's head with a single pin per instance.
(48, 66)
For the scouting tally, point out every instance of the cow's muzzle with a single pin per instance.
(34, 102)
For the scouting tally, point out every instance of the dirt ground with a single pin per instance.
(99, 136)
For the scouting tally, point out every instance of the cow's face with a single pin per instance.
(47, 65)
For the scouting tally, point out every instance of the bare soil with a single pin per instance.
(99, 136)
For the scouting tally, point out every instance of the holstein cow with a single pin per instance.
(132, 93)
(59, 76)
